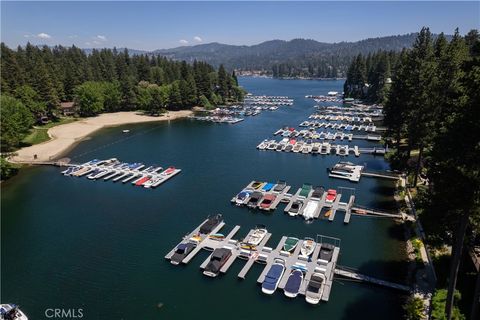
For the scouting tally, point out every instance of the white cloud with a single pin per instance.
(73, 36)
(101, 38)
(183, 41)
(44, 36)
(197, 38)
(27, 35)
(88, 43)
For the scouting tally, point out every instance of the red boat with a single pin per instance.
(170, 170)
(267, 201)
(142, 181)
(331, 195)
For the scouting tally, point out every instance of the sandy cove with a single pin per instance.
(65, 136)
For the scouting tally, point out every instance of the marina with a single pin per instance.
(65, 230)
(112, 169)
(321, 260)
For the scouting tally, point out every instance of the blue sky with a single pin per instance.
(156, 25)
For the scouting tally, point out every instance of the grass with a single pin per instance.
(39, 134)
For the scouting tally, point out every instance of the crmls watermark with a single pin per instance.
(60, 313)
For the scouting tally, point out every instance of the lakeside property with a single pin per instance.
(64, 137)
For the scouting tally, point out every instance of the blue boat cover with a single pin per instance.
(272, 277)
(268, 186)
(294, 281)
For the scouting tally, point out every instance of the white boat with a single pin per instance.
(308, 246)
(309, 211)
(315, 287)
(256, 236)
(126, 131)
(10, 311)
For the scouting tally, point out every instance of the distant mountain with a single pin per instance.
(265, 54)
(130, 51)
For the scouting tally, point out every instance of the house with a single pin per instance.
(68, 108)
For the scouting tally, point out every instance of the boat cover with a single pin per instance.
(294, 281)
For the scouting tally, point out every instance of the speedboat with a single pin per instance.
(315, 286)
(318, 191)
(182, 250)
(280, 186)
(331, 196)
(10, 311)
(308, 245)
(268, 186)
(290, 244)
(256, 236)
(293, 284)
(295, 208)
(288, 148)
(210, 224)
(254, 199)
(242, 197)
(306, 188)
(326, 252)
(257, 184)
(273, 276)
(310, 208)
(217, 260)
(267, 201)
(169, 171)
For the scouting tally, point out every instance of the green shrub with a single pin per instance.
(438, 305)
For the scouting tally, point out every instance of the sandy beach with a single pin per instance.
(64, 137)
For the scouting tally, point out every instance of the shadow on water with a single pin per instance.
(396, 231)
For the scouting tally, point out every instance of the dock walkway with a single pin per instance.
(347, 273)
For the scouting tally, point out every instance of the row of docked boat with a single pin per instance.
(349, 112)
(338, 126)
(312, 134)
(323, 98)
(346, 170)
(261, 195)
(218, 119)
(339, 117)
(268, 100)
(308, 147)
(307, 201)
(136, 173)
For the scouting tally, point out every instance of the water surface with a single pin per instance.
(74, 243)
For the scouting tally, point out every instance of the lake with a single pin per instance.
(73, 243)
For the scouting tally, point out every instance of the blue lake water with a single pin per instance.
(74, 243)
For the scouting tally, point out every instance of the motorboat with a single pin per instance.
(217, 260)
(242, 197)
(292, 287)
(314, 290)
(267, 201)
(290, 244)
(10, 311)
(318, 192)
(331, 196)
(182, 250)
(257, 185)
(256, 236)
(273, 276)
(326, 252)
(267, 187)
(305, 191)
(295, 208)
(280, 186)
(211, 223)
(254, 200)
(308, 246)
(310, 208)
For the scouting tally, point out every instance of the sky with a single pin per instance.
(160, 25)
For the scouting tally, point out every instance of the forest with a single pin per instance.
(432, 114)
(35, 80)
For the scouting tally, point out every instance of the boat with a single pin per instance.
(306, 188)
(314, 291)
(242, 197)
(280, 186)
(126, 131)
(217, 260)
(211, 223)
(273, 276)
(256, 236)
(328, 213)
(182, 250)
(217, 236)
(257, 184)
(295, 208)
(310, 208)
(308, 246)
(331, 196)
(318, 192)
(10, 311)
(290, 244)
(326, 251)
(197, 238)
(267, 201)
(267, 187)
(254, 200)
(169, 171)
(292, 287)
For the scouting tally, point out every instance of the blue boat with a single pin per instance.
(273, 276)
(268, 186)
(293, 283)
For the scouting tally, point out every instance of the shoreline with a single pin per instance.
(65, 137)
